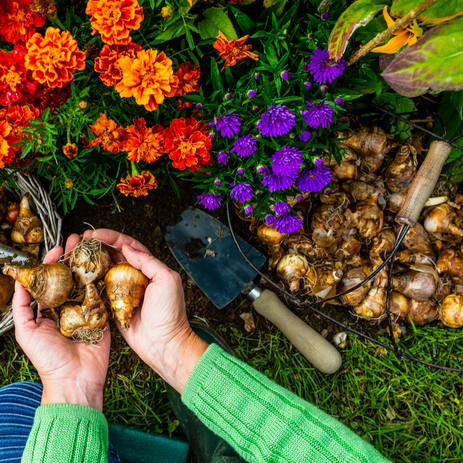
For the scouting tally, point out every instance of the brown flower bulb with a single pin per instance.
(383, 243)
(12, 212)
(451, 311)
(6, 289)
(28, 227)
(49, 284)
(126, 287)
(399, 305)
(418, 285)
(422, 312)
(402, 170)
(439, 220)
(350, 279)
(291, 268)
(370, 217)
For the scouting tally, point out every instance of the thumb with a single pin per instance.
(148, 264)
(23, 315)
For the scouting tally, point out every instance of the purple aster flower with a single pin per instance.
(227, 125)
(299, 198)
(241, 192)
(285, 75)
(323, 88)
(314, 179)
(248, 210)
(260, 169)
(252, 93)
(288, 223)
(305, 136)
(322, 69)
(244, 146)
(282, 207)
(326, 15)
(255, 108)
(240, 171)
(307, 85)
(210, 201)
(228, 96)
(339, 101)
(277, 121)
(276, 182)
(269, 219)
(286, 161)
(319, 115)
(199, 106)
(222, 158)
(256, 76)
(218, 182)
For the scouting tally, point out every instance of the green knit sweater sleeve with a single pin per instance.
(67, 434)
(265, 422)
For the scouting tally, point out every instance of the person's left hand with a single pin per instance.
(71, 372)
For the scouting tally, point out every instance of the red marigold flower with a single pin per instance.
(70, 150)
(144, 143)
(138, 185)
(7, 139)
(114, 19)
(149, 78)
(54, 58)
(17, 21)
(15, 82)
(107, 62)
(187, 142)
(110, 136)
(188, 75)
(233, 51)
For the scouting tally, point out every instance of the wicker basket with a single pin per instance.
(51, 220)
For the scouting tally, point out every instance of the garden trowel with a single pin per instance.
(205, 249)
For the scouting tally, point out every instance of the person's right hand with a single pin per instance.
(159, 331)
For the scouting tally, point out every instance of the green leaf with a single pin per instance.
(174, 30)
(245, 23)
(215, 77)
(357, 15)
(216, 20)
(435, 61)
(280, 5)
(441, 9)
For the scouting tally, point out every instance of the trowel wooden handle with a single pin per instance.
(423, 184)
(315, 348)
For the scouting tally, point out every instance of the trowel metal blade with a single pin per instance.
(222, 273)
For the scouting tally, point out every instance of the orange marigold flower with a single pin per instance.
(138, 185)
(114, 19)
(70, 150)
(144, 143)
(15, 82)
(187, 142)
(149, 78)
(166, 12)
(17, 21)
(54, 58)
(107, 63)
(19, 117)
(7, 139)
(233, 51)
(110, 136)
(43, 7)
(188, 75)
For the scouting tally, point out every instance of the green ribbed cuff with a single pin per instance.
(68, 434)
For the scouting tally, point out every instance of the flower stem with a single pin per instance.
(135, 170)
(388, 33)
(55, 21)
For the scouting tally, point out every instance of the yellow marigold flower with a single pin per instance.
(233, 51)
(53, 58)
(149, 78)
(115, 19)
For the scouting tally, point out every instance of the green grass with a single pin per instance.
(409, 412)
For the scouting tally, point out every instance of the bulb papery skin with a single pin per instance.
(125, 286)
(49, 284)
(6, 289)
(419, 286)
(28, 227)
(12, 213)
(84, 323)
(89, 261)
(451, 311)
(421, 312)
(350, 279)
(439, 220)
(399, 305)
(269, 236)
(291, 268)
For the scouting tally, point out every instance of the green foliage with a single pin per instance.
(442, 9)
(215, 20)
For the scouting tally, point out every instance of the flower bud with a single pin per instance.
(307, 85)
(252, 93)
(248, 210)
(218, 182)
(339, 101)
(256, 76)
(323, 88)
(69, 184)
(212, 135)
(326, 15)
(83, 105)
(285, 31)
(228, 96)
(70, 150)
(292, 135)
(166, 12)
(240, 171)
(299, 198)
(310, 36)
(199, 106)
(328, 191)
(285, 75)
(255, 108)
(260, 169)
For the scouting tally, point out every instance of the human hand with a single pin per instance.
(71, 372)
(159, 331)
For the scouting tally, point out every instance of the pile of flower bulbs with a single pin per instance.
(350, 232)
(74, 293)
(21, 228)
